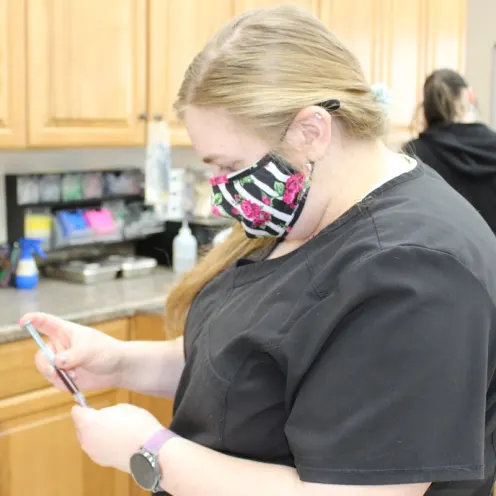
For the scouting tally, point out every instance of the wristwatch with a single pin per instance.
(144, 464)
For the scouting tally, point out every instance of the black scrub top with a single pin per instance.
(365, 357)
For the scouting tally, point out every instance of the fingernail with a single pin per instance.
(50, 373)
(62, 357)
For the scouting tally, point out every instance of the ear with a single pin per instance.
(311, 132)
(471, 96)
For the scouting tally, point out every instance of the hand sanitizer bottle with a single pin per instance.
(184, 250)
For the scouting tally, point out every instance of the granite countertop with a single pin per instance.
(85, 304)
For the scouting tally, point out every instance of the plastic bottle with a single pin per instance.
(184, 250)
(27, 275)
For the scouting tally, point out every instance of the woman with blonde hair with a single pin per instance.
(341, 341)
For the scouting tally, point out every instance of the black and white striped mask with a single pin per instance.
(267, 198)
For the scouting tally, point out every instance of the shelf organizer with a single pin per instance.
(119, 189)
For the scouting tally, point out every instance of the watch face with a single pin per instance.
(143, 472)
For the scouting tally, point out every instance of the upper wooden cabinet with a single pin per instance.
(12, 80)
(401, 56)
(355, 23)
(399, 42)
(86, 64)
(178, 30)
(445, 32)
(94, 72)
(242, 5)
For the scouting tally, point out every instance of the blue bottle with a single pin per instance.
(27, 275)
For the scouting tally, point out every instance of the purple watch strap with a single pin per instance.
(154, 443)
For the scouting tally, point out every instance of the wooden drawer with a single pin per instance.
(18, 373)
(41, 454)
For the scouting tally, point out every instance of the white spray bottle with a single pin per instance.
(184, 250)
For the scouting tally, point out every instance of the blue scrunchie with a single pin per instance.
(382, 95)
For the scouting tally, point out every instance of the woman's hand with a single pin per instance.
(111, 435)
(92, 358)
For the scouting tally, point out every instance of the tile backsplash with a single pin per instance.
(78, 159)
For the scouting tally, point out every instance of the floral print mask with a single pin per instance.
(267, 198)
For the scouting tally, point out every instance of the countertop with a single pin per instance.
(85, 304)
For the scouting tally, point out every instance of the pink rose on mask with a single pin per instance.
(262, 220)
(235, 211)
(250, 210)
(215, 181)
(266, 200)
(216, 211)
(293, 186)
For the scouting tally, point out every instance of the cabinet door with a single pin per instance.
(242, 5)
(150, 327)
(40, 452)
(355, 22)
(402, 60)
(17, 361)
(445, 27)
(12, 74)
(87, 72)
(419, 37)
(179, 29)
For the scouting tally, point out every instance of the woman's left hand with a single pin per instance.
(111, 435)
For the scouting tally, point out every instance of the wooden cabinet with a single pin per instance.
(41, 454)
(242, 5)
(93, 73)
(399, 42)
(445, 22)
(12, 80)
(356, 23)
(402, 58)
(86, 66)
(178, 30)
(38, 446)
(420, 36)
(39, 450)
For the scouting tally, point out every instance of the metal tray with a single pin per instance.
(83, 272)
(133, 266)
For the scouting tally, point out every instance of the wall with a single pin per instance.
(77, 159)
(481, 39)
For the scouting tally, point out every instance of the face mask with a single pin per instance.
(267, 198)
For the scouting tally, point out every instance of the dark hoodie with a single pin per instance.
(465, 156)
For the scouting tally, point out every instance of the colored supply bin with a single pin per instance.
(73, 223)
(100, 221)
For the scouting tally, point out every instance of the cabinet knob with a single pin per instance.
(143, 116)
(158, 117)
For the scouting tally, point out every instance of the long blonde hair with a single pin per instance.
(263, 67)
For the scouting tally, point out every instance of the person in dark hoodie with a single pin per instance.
(460, 149)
